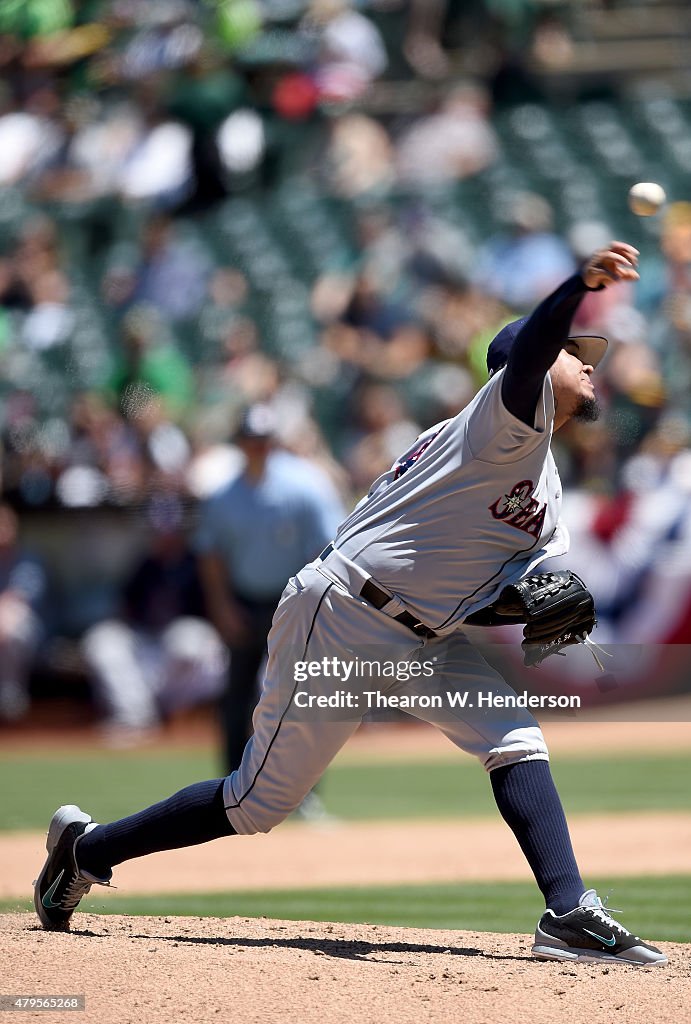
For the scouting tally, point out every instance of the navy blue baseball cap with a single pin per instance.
(589, 348)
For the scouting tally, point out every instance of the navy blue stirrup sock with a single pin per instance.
(529, 803)
(193, 815)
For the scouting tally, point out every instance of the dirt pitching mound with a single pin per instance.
(135, 969)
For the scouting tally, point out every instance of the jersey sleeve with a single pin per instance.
(495, 435)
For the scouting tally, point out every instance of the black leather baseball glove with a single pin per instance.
(556, 607)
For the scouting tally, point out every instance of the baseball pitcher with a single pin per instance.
(452, 535)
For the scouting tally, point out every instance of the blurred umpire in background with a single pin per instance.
(254, 534)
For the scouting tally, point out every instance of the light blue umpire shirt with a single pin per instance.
(266, 531)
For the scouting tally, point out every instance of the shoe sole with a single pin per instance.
(590, 956)
(64, 816)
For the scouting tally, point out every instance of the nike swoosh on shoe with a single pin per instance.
(611, 941)
(47, 900)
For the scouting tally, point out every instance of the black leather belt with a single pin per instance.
(378, 597)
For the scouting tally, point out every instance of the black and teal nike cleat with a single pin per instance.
(589, 932)
(61, 885)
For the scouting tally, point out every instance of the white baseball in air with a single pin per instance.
(646, 198)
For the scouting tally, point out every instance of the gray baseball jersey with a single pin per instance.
(471, 506)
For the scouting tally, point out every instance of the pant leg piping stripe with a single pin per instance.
(230, 807)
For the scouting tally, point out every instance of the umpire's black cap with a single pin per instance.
(259, 422)
(589, 348)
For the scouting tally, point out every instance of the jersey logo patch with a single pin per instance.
(411, 459)
(518, 508)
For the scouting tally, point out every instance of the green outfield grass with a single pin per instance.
(656, 908)
(110, 786)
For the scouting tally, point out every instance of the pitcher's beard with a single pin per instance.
(588, 410)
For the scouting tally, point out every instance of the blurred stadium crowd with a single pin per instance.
(330, 208)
